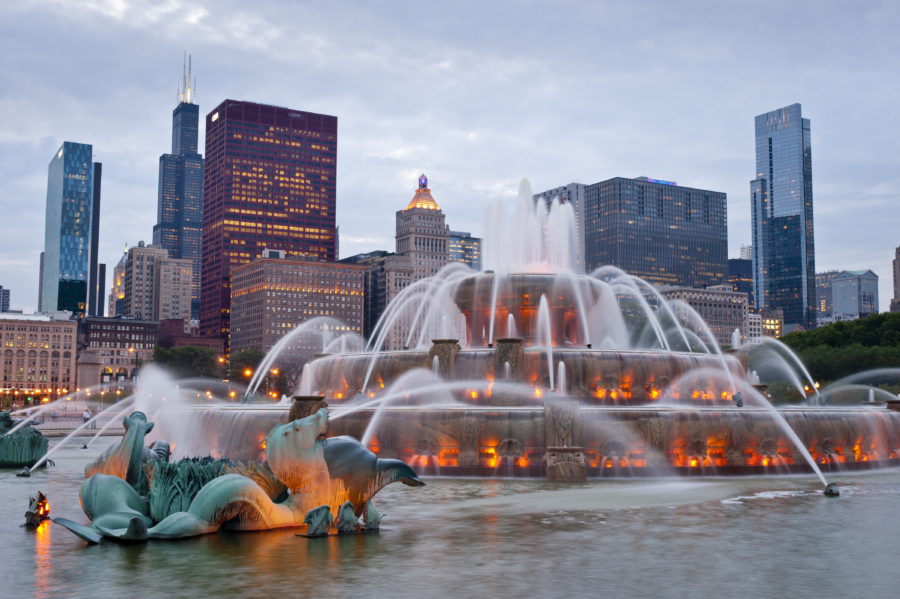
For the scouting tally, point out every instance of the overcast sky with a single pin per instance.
(476, 95)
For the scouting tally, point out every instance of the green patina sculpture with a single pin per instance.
(372, 518)
(318, 521)
(23, 448)
(346, 520)
(132, 493)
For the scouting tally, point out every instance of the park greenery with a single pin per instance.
(189, 361)
(838, 350)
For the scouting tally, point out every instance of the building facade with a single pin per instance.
(572, 194)
(122, 344)
(746, 251)
(754, 329)
(172, 286)
(855, 294)
(772, 322)
(824, 303)
(117, 288)
(140, 278)
(71, 231)
(663, 233)
(722, 309)
(273, 296)
(38, 355)
(269, 181)
(465, 249)
(4, 299)
(740, 277)
(895, 302)
(784, 261)
(179, 212)
(422, 234)
(386, 276)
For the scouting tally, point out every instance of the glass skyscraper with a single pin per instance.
(784, 262)
(656, 230)
(855, 294)
(179, 211)
(71, 230)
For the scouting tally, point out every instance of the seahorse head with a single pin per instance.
(295, 451)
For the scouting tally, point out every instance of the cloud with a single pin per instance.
(476, 95)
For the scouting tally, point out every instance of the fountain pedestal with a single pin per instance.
(445, 351)
(563, 451)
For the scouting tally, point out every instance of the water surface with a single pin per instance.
(715, 537)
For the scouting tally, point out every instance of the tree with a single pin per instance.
(243, 362)
(189, 361)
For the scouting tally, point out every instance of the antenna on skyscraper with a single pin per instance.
(186, 91)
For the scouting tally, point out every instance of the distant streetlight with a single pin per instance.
(248, 372)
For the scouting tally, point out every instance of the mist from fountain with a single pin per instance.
(782, 348)
(545, 335)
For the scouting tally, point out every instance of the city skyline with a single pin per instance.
(391, 138)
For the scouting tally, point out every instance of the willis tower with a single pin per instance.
(179, 211)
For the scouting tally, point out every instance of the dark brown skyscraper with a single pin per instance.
(269, 183)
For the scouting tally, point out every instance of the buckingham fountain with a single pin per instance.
(530, 369)
(525, 369)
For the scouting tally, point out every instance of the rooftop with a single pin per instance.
(423, 198)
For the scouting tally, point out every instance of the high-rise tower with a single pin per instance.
(784, 261)
(269, 182)
(179, 211)
(71, 231)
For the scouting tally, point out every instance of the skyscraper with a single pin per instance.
(269, 182)
(824, 302)
(466, 249)
(740, 277)
(422, 233)
(663, 233)
(784, 261)
(71, 231)
(895, 266)
(4, 299)
(855, 294)
(573, 194)
(179, 211)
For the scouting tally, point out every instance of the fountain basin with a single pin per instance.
(614, 441)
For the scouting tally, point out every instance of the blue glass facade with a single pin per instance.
(179, 213)
(784, 263)
(854, 294)
(68, 229)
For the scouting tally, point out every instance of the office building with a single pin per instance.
(784, 262)
(38, 355)
(754, 329)
(656, 230)
(178, 333)
(465, 249)
(386, 275)
(4, 299)
(746, 251)
(140, 277)
(179, 211)
(269, 182)
(273, 295)
(71, 231)
(895, 301)
(172, 285)
(117, 289)
(572, 194)
(824, 304)
(740, 277)
(422, 233)
(855, 294)
(122, 345)
(41, 282)
(721, 308)
(772, 322)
